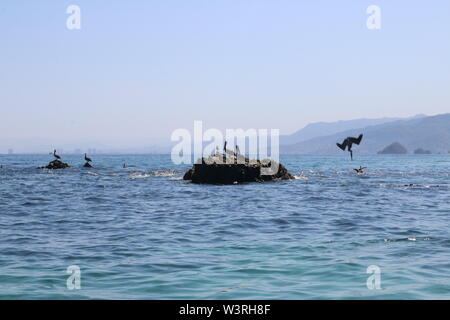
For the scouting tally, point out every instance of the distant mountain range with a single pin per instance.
(428, 132)
(320, 129)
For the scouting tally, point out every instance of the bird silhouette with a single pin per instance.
(55, 155)
(87, 158)
(348, 143)
(360, 170)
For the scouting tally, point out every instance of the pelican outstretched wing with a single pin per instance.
(355, 140)
(343, 145)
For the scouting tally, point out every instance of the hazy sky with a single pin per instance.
(137, 70)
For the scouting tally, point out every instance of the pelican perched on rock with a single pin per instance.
(87, 158)
(348, 142)
(55, 155)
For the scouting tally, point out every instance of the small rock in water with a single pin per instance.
(56, 164)
(87, 165)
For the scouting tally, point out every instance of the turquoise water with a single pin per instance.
(144, 233)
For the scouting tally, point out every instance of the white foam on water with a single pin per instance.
(92, 173)
(139, 175)
(165, 173)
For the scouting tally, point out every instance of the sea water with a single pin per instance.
(142, 232)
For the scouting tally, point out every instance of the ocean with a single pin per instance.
(142, 232)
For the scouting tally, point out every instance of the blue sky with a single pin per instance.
(137, 70)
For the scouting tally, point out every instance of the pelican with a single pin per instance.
(87, 158)
(360, 170)
(55, 155)
(348, 142)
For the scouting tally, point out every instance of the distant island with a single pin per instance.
(422, 151)
(394, 148)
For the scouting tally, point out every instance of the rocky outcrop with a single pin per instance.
(87, 165)
(395, 148)
(56, 164)
(422, 151)
(214, 170)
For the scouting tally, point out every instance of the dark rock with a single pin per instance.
(422, 151)
(188, 174)
(395, 148)
(211, 171)
(56, 164)
(87, 165)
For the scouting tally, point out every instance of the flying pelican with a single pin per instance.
(348, 142)
(55, 155)
(87, 158)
